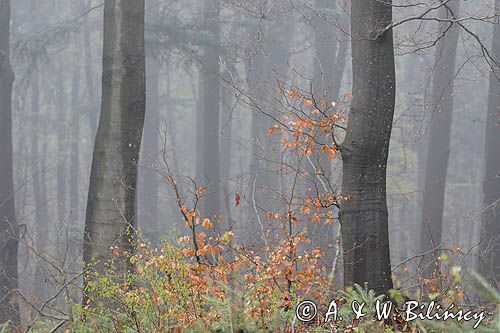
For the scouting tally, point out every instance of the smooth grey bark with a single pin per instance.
(110, 218)
(329, 63)
(326, 81)
(87, 52)
(209, 114)
(490, 232)
(39, 172)
(148, 176)
(438, 150)
(9, 307)
(226, 147)
(263, 70)
(60, 128)
(74, 179)
(327, 76)
(363, 212)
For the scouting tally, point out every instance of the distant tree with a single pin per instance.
(9, 308)
(147, 197)
(40, 193)
(208, 155)
(75, 146)
(438, 149)
(272, 44)
(363, 210)
(329, 66)
(330, 53)
(61, 106)
(111, 219)
(490, 234)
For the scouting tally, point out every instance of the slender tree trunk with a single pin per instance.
(111, 219)
(326, 80)
(226, 133)
(38, 170)
(329, 63)
(74, 179)
(210, 93)
(75, 147)
(490, 233)
(263, 70)
(438, 150)
(93, 114)
(325, 44)
(363, 213)
(226, 144)
(9, 307)
(170, 136)
(148, 176)
(60, 128)
(227, 100)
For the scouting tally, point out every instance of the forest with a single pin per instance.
(249, 166)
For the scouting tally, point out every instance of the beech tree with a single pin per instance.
(8, 228)
(147, 197)
(438, 149)
(209, 113)
(110, 219)
(330, 56)
(363, 210)
(490, 233)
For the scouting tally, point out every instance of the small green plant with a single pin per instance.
(486, 292)
(4, 327)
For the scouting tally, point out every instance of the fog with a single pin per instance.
(227, 84)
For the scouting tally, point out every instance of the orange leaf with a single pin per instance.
(308, 102)
(207, 224)
(237, 199)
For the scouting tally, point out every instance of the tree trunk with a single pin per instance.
(110, 219)
(363, 213)
(226, 129)
(92, 116)
(263, 70)
(74, 179)
(60, 128)
(325, 79)
(38, 170)
(438, 150)
(148, 176)
(210, 92)
(9, 307)
(490, 233)
(75, 146)
(329, 63)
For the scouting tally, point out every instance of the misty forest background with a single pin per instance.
(225, 82)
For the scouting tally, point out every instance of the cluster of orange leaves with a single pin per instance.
(179, 284)
(312, 124)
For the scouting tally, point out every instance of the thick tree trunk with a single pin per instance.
(110, 219)
(209, 118)
(490, 233)
(438, 150)
(363, 212)
(9, 307)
